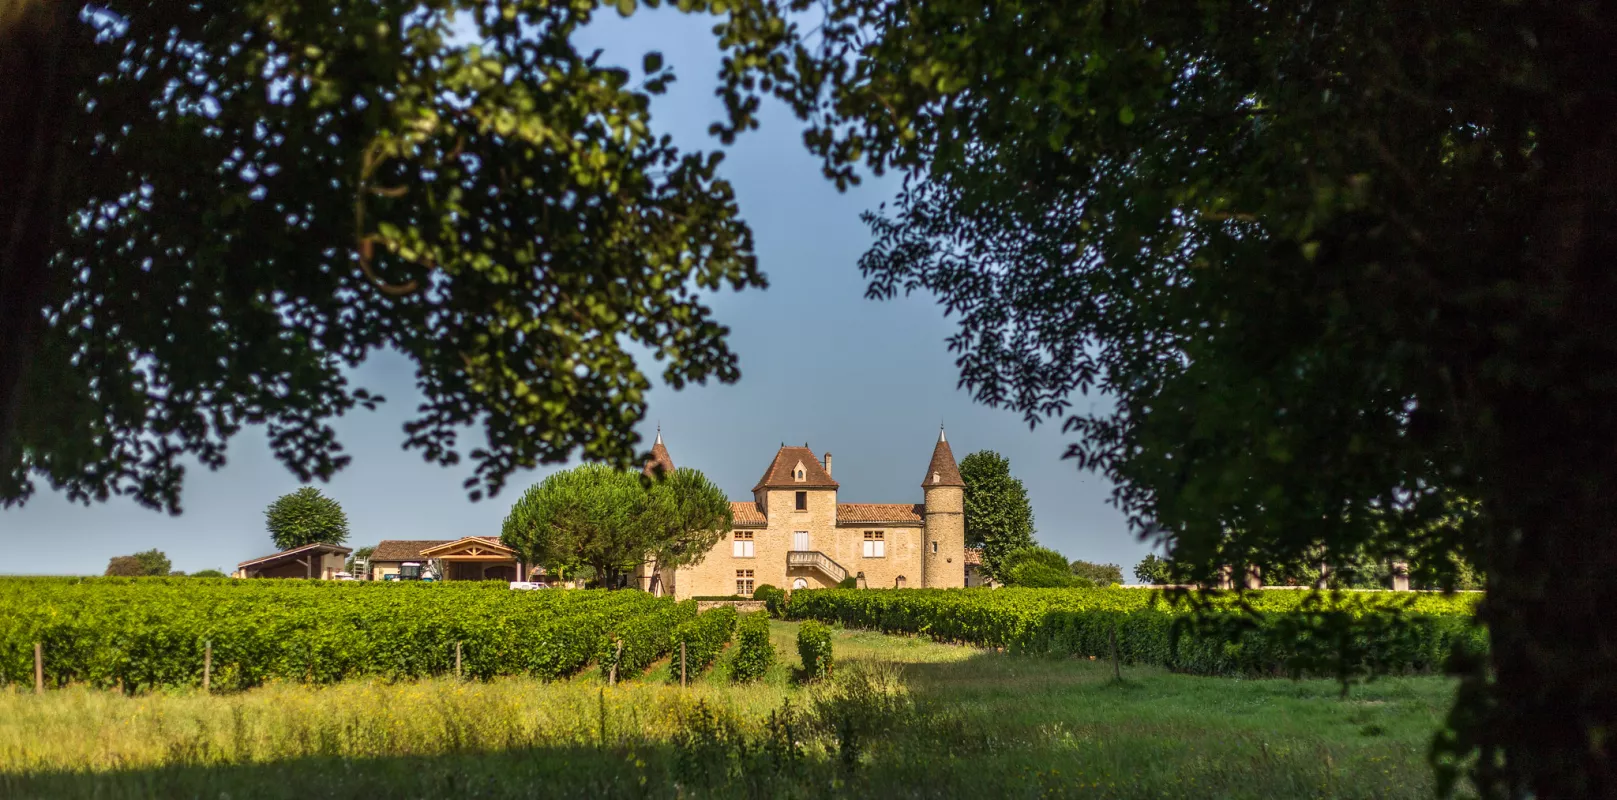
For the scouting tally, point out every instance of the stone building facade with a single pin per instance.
(794, 533)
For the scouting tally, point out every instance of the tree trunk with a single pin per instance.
(35, 99)
(1547, 433)
(1552, 593)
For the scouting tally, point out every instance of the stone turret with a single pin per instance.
(943, 540)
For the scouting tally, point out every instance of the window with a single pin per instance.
(802, 501)
(934, 547)
(800, 540)
(875, 544)
(743, 544)
(799, 583)
(410, 572)
(800, 475)
(899, 584)
(744, 582)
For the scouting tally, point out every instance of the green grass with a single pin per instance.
(902, 717)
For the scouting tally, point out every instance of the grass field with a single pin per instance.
(903, 717)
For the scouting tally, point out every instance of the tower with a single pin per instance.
(943, 537)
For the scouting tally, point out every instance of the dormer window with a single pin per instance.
(936, 477)
(799, 473)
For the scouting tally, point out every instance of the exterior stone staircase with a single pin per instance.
(817, 560)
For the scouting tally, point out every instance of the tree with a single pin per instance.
(153, 562)
(613, 521)
(999, 518)
(1098, 574)
(210, 214)
(125, 567)
(1152, 570)
(1332, 264)
(1036, 567)
(146, 563)
(305, 517)
(208, 573)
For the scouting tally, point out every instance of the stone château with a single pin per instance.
(794, 534)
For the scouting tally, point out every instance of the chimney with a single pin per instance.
(828, 463)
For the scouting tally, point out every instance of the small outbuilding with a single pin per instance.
(318, 560)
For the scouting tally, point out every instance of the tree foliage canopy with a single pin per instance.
(211, 211)
(1152, 570)
(146, 563)
(1098, 574)
(1035, 567)
(612, 521)
(1337, 265)
(304, 517)
(999, 518)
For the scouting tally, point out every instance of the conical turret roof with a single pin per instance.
(659, 457)
(943, 471)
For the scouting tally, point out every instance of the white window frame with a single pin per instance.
(875, 544)
(744, 582)
(803, 538)
(742, 545)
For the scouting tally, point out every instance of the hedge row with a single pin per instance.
(754, 652)
(144, 633)
(703, 638)
(1273, 633)
(645, 638)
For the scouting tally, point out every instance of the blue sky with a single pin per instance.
(868, 381)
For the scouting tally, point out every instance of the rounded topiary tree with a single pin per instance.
(304, 517)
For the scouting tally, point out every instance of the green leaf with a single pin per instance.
(1125, 115)
(626, 7)
(653, 62)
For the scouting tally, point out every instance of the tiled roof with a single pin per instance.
(747, 514)
(317, 546)
(779, 474)
(659, 457)
(853, 513)
(974, 556)
(943, 466)
(410, 549)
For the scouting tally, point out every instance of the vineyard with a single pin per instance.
(144, 633)
(1261, 633)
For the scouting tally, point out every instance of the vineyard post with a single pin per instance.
(457, 660)
(612, 677)
(681, 665)
(39, 667)
(207, 665)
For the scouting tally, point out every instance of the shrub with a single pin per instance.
(754, 653)
(774, 598)
(703, 638)
(814, 647)
(208, 573)
(849, 582)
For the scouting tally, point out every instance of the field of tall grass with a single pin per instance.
(903, 717)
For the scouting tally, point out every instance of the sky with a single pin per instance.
(868, 381)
